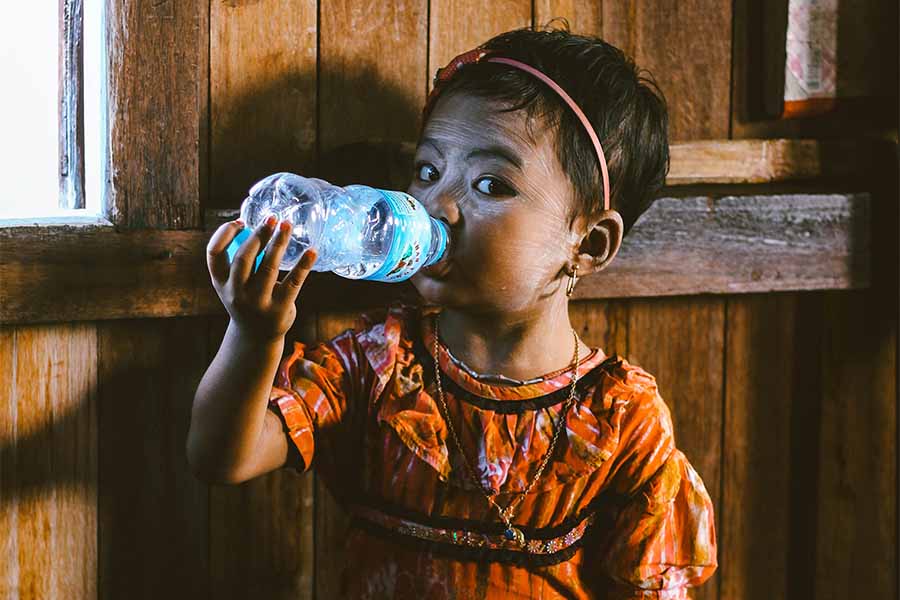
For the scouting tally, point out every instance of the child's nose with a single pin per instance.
(445, 206)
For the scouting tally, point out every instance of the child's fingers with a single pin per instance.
(267, 274)
(216, 257)
(290, 286)
(245, 257)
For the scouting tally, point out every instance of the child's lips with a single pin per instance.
(438, 270)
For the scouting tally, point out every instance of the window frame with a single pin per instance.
(71, 104)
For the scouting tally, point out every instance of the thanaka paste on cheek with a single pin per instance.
(509, 250)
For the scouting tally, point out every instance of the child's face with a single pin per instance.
(511, 230)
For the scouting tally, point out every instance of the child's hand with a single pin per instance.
(255, 307)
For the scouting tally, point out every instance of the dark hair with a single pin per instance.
(627, 110)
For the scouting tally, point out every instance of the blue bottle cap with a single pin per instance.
(239, 239)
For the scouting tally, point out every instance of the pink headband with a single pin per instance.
(473, 56)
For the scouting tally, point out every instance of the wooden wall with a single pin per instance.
(784, 402)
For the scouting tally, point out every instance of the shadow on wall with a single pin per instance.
(366, 138)
(160, 531)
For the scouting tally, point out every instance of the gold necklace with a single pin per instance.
(506, 514)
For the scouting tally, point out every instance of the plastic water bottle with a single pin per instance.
(358, 232)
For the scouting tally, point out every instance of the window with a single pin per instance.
(50, 152)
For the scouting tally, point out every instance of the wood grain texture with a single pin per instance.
(740, 246)
(153, 512)
(371, 70)
(769, 415)
(155, 63)
(686, 46)
(856, 509)
(261, 532)
(764, 161)
(262, 93)
(584, 17)
(734, 244)
(48, 462)
(457, 26)
(680, 342)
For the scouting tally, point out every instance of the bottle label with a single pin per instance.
(412, 238)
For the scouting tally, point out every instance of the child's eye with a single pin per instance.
(493, 187)
(426, 172)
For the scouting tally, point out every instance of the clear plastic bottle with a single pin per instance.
(358, 232)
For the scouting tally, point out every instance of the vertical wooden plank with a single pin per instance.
(48, 503)
(371, 81)
(9, 502)
(602, 324)
(263, 98)
(153, 512)
(767, 418)
(687, 48)
(261, 532)
(363, 98)
(585, 18)
(856, 550)
(156, 80)
(455, 26)
(680, 341)
(262, 93)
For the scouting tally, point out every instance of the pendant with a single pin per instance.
(514, 534)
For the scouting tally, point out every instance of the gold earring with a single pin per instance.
(573, 279)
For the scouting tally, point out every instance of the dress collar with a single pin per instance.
(494, 388)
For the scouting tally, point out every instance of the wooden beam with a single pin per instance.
(765, 161)
(697, 245)
(156, 111)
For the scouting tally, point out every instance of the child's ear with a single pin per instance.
(600, 244)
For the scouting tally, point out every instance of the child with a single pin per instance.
(482, 448)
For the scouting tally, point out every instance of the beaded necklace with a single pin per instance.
(511, 533)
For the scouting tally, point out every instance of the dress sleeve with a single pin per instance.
(318, 394)
(662, 539)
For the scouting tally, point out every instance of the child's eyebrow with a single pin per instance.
(495, 150)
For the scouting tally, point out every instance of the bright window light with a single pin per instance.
(29, 109)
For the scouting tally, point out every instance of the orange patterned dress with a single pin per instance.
(619, 512)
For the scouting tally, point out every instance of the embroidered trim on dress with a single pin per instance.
(479, 540)
(475, 544)
(509, 407)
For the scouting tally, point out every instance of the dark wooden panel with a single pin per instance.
(153, 530)
(686, 46)
(680, 342)
(856, 508)
(601, 324)
(769, 426)
(262, 93)
(156, 65)
(789, 242)
(48, 462)
(680, 246)
(371, 80)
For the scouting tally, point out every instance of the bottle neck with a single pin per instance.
(440, 242)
